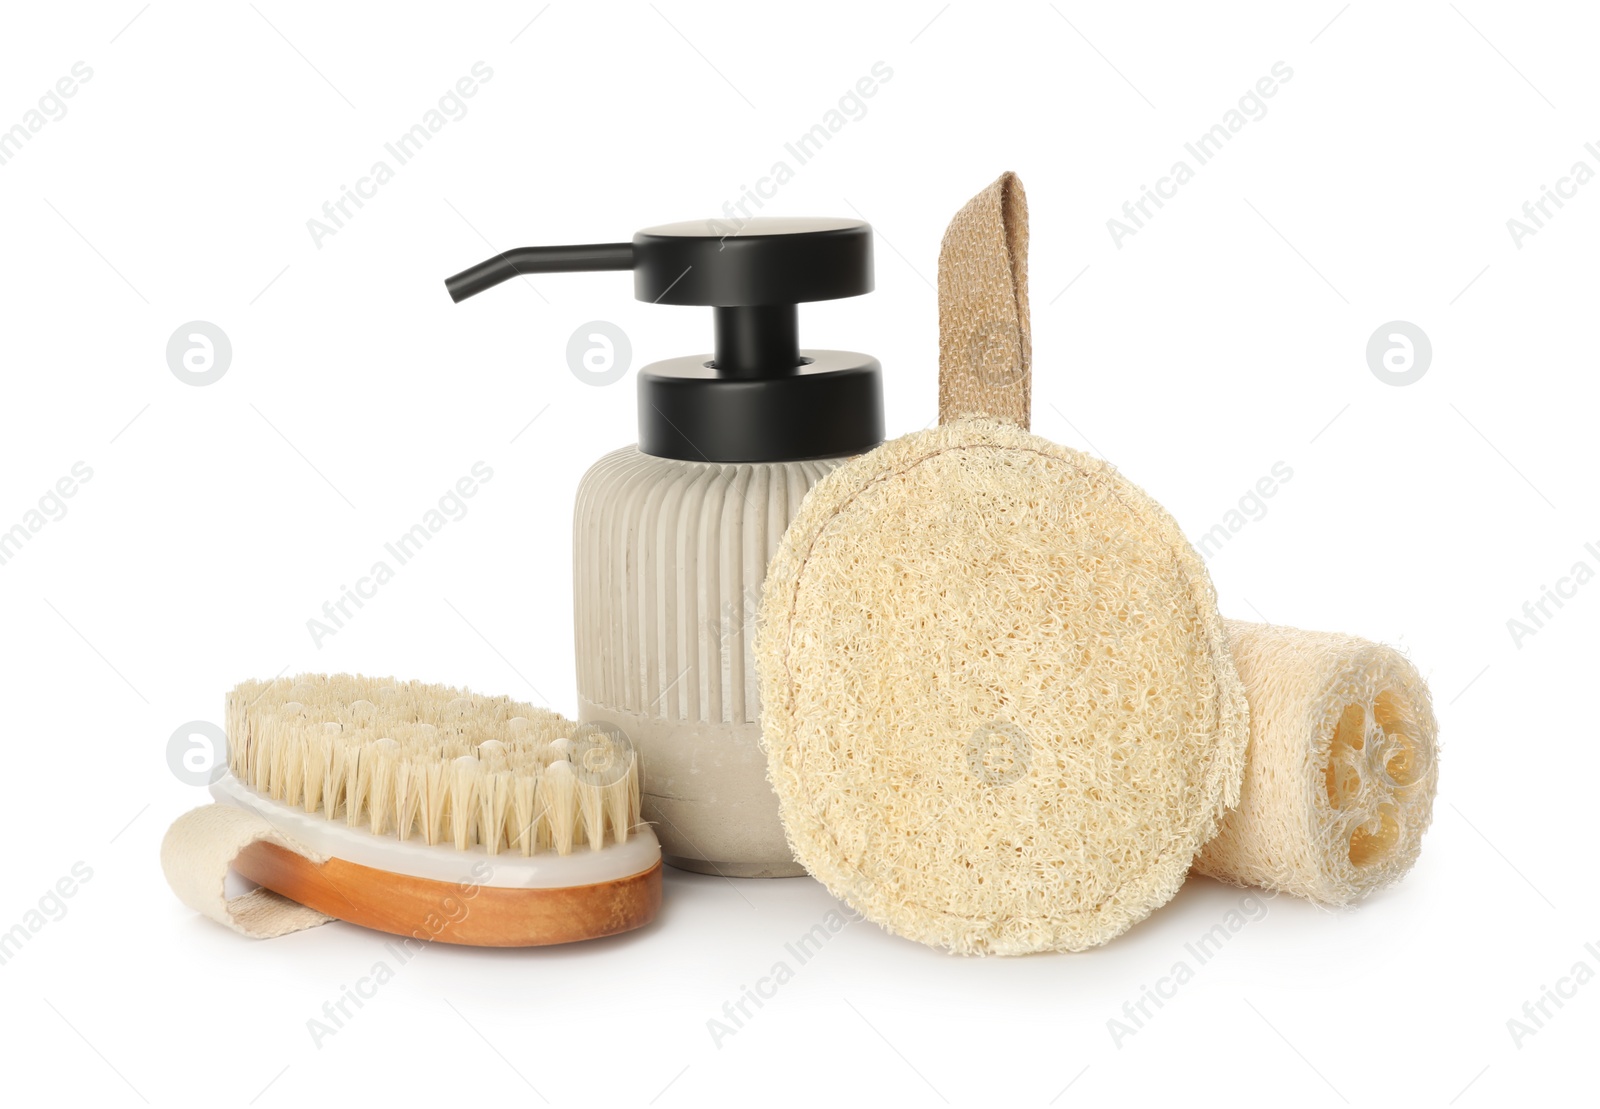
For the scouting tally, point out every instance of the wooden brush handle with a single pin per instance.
(301, 890)
(480, 916)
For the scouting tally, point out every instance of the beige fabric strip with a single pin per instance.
(196, 854)
(985, 345)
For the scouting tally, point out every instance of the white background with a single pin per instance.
(1227, 335)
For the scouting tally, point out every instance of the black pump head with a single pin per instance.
(759, 397)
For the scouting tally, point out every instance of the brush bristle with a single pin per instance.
(445, 765)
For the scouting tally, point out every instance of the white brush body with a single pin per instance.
(442, 862)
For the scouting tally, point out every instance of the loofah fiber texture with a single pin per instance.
(999, 712)
(445, 765)
(1342, 769)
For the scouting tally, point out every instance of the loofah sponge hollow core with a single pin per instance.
(999, 711)
(1343, 766)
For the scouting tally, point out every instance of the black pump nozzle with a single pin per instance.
(753, 278)
(538, 259)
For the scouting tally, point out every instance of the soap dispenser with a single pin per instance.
(671, 538)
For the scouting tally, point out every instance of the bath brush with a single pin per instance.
(1342, 766)
(420, 810)
(998, 707)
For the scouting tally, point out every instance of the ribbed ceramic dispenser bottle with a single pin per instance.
(671, 538)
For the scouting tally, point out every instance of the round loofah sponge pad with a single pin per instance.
(1343, 766)
(998, 707)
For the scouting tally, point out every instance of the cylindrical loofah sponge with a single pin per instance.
(1341, 771)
